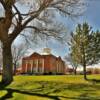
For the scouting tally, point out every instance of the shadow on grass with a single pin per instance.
(94, 80)
(2, 85)
(51, 90)
(11, 91)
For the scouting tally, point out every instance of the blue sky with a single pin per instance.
(91, 15)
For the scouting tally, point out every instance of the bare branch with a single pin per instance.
(3, 4)
(19, 14)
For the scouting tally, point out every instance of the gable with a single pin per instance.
(35, 55)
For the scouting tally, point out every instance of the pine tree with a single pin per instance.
(85, 46)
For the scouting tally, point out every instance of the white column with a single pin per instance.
(37, 65)
(31, 66)
(26, 67)
(42, 65)
(57, 66)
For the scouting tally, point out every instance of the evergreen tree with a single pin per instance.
(85, 46)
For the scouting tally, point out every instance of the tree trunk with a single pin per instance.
(85, 76)
(75, 71)
(14, 68)
(84, 62)
(7, 75)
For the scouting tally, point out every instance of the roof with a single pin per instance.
(35, 54)
(40, 55)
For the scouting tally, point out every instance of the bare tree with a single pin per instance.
(40, 12)
(69, 59)
(18, 51)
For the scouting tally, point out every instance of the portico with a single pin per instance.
(36, 66)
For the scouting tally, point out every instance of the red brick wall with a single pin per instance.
(50, 63)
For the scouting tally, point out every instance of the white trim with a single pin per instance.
(26, 66)
(42, 65)
(31, 65)
(37, 65)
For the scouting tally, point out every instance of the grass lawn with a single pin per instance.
(67, 87)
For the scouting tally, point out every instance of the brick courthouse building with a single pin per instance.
(45, 63)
